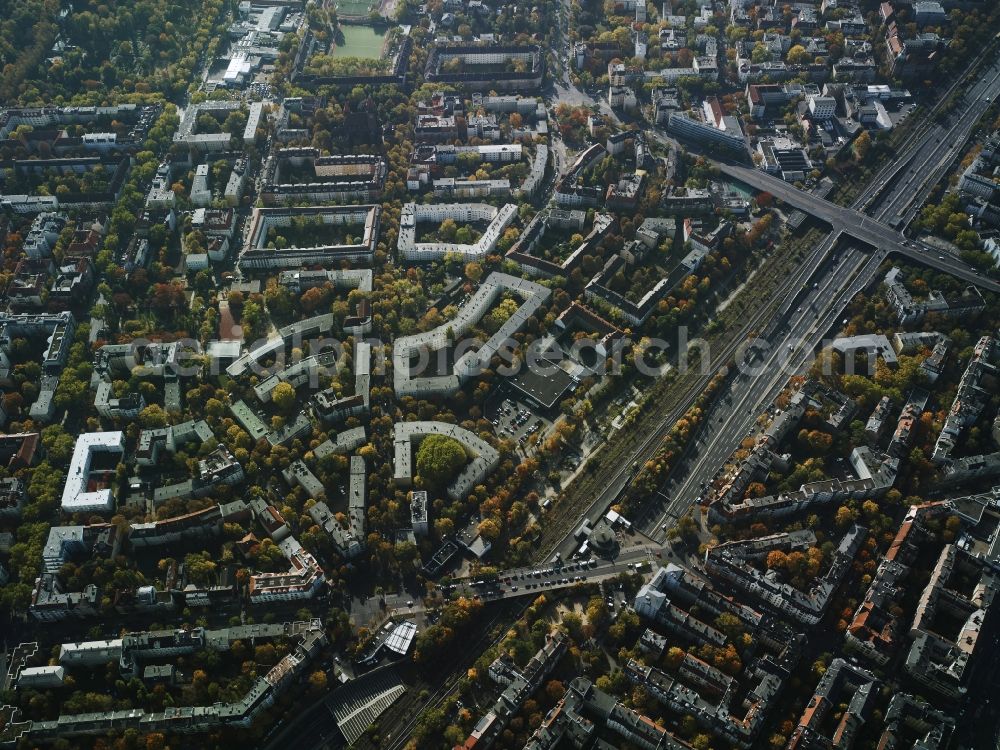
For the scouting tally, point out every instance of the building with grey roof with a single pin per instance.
(298, 428)
(170, 439)
(941, 659)
(197, 525)
(298, 474)
(909, 309)
(248, 420)
(299, 281)
(971, 397)
(350, 541)
(90, 653)
(422, 346)
(536, 173)
(907, 717)
(874, 345)
(12, 496)
(50, 603)
(485, 67)
(178, 719)
(842, 682)
(259, 254)
(524, 251)
(806, 607)
(418, 513)
(417, 213)
(187, 132)
(41, 677)
(318, 325)
(878, 421)
(331, 407)
(599, 291)
(586, 713)
(713, 697)
(337, 178)
(75, 497)
(303, 580)
(342, 443)
(300, 372)
(65, 542)
(484, 458)
(518, 685)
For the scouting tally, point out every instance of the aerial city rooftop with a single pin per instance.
(472, 374)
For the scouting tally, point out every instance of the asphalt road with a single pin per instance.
(733, 415)
(810, 314)
(522, 582)
(854, 224)
(531, 581)
(806, 316)
(902, 192)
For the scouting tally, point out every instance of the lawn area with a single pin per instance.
(359, 41)
(355, 8)
(312, 234)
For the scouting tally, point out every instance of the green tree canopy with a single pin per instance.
(798, 55)
(439, 457)
(283, 397)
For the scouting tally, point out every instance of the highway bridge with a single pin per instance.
(854, 224)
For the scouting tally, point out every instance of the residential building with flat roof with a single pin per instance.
(483, 457)
(417, 213)
(78, 497)
(470, 364)
(257, 255)
(418, 513)
(344, 178)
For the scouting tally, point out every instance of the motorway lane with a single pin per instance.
(733, 416)
(934, 159)
(819, 308)
(857, 224)
(852, 223)
(859, 271)
(737, 420)
(720, 442)
(832, 288)
(619, 481)
(896, 183)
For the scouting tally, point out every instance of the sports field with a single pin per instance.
(360, 41)
(353, 7)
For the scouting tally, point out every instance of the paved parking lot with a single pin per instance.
(515, 420)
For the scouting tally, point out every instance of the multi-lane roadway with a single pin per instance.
(898, 193)
(732, 417)
(854, 224)
(823, 288)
